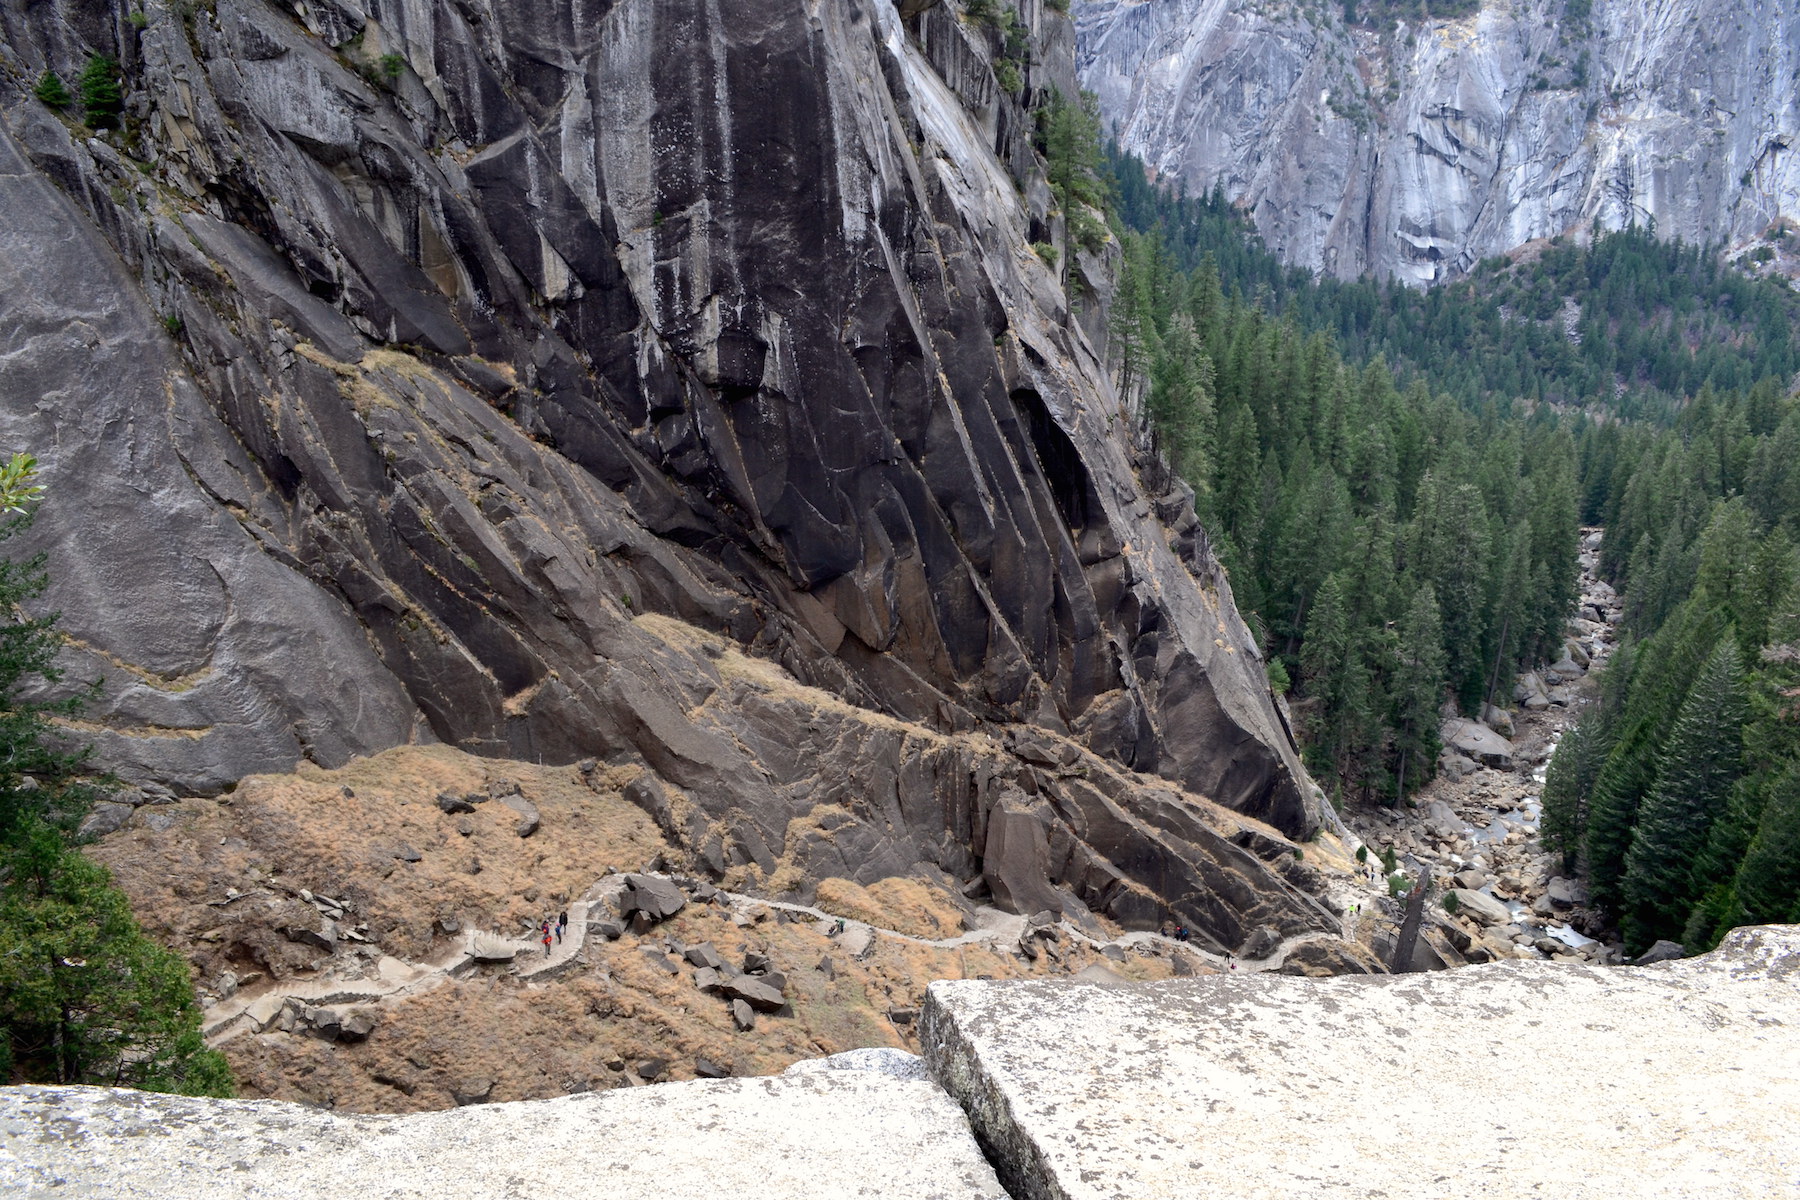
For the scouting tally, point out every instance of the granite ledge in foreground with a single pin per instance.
(1514, 1079)
(828, 1134)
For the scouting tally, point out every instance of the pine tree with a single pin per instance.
(1699, 768)
(51, 92)
(1417, 688)
(85, 997)
(102, 99)
(1767, 887)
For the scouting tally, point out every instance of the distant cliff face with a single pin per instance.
(1417, 151)
(397, 358)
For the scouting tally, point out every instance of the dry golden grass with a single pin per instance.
(277, 834)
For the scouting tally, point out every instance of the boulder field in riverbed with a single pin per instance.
(1474, 828)
(1596, 1083)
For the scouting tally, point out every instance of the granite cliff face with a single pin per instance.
(1416, 151)
(450, 370)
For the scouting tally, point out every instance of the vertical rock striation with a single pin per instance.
(472, 371)
(1417, 150)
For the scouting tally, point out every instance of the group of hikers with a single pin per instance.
(548, 929)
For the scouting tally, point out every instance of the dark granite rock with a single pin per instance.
(523, 433)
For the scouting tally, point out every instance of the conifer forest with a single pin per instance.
(1397, 480)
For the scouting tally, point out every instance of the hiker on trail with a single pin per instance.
(837, 928)
(1230, 963)
(562, 923)
(1182, 934)
(546, 939)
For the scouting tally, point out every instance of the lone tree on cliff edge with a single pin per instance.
(85, 997)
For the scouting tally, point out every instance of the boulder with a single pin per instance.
(857, 939)
(752, 991)
(1261, 942)
(1456, 766)
(1663, 951)
(1565, 893)
(319, 939)
(743, 1016)
(706, 1068)
(1016, 858)
(1498, 720)
(704, 955)
(1442, 820)
(661, 961)
(357, 1026)
(104, 818)
(529, 820)
(707, 979)
(490, 948)
(1530, 691)
(1471, 879)
(651, 897)
(1478, 742)
(1481, 906)
(453, 804)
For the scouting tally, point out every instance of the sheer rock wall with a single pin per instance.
(398, 359)
(1417, 151)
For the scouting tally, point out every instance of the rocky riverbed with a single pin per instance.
(1475, 828)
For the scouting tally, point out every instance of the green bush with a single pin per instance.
(1451, 904)
(1278, 677)
(1362, 854)
(392, 66)
(102, 99)
(85, 996)
(1047, 252)
(1006, 74)
(1396, 883)
(985, 11)
(50, 91)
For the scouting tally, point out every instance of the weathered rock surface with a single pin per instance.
(514, 387)
(827, 1133)
(1477, 741)
(1481, 906)
(1170, 1090)
(1233, 1086)
(1418, 151)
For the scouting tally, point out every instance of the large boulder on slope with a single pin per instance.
(1477, 741)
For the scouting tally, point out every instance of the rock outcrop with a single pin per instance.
(1260, 1086)
(1233, 1085)
(1416, 150)
(480, 373)
(853, 1132)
